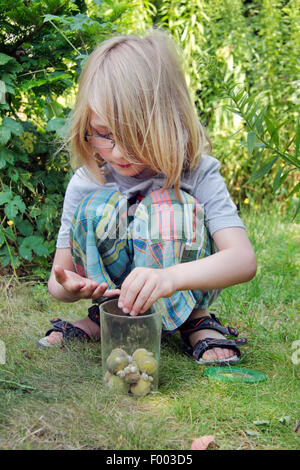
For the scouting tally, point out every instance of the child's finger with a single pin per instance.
(102, 291)
(99, 291)
(88, 288)
(111, 292)
(131, 295)
(142, 299)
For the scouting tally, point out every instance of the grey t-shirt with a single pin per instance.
(205, 184)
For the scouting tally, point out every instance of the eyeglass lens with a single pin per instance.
(100, 142)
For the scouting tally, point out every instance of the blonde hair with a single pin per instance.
(136, 85)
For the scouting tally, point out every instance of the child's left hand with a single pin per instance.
(142, 287)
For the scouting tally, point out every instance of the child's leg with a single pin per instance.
(166, 232)
(99, 245)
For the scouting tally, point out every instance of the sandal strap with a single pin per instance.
(94, 314)
(204, 345)
(68, 330)
(206, 323)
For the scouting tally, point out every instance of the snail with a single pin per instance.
(141, 388)
(117, 360)
(116, 384)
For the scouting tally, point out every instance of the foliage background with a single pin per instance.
(241, 62)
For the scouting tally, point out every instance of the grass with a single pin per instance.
(54, 399)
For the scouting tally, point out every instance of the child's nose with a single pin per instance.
(117, 152)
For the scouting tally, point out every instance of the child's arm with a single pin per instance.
(66, 285)
(234, 263)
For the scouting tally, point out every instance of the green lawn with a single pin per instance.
(54, 399)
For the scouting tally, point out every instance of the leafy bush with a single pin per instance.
(43, 46)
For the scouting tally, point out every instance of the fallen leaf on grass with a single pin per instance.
(261, 423)
(202, 443)
(249, 432)
(285, 419)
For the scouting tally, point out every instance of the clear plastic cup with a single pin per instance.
(130, 348)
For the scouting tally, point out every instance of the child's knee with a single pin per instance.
(103, 212)
(103, 201)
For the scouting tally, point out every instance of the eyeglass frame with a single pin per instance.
(103, 137)
(104, 148)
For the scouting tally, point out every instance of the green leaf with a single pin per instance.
(56, 125)
(9, 233)
(273, 131)
(25, 249)
(40, 249)
(35, 211)
(6, 156)
(278, 180)
(28, 84)
(25, 228)
(33, 243)
(5, 135)
(13, 173)
(234, 134)
(2, 237)
(233, 110)
(10, 210)
(14, 66)
(252, 115)
(19, 204)
(251, 139)
(14, 206)
(4, 58)
(294, 190)
(60, 19)
(297, 210)
(14, 126)
(8, 259)
(257, 161)
(259, 120)
(4, 257)
(79, 21)
(263, 170)
(5, 196)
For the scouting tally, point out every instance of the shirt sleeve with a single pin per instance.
(78, 188)
(211, 191)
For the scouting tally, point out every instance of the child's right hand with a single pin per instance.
(81, 287)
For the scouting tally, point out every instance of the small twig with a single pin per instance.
(64, 36)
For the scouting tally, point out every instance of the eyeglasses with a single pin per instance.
(100, 141)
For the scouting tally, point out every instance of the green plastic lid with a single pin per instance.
(235, 375)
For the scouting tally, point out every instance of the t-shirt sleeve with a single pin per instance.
(78, 188)
(211, 191)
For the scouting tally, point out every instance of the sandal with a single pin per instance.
(70, 331)
(212, 323)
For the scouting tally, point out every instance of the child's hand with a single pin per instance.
(142, 287)
(81, 287)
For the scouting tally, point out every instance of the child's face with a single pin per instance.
(115, 157)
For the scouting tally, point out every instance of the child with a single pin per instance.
(147, 216)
